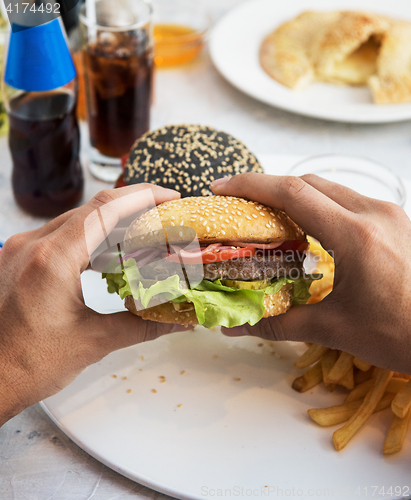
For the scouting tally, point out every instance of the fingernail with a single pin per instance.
(220, 182)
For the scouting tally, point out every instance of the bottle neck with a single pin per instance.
(40, 105)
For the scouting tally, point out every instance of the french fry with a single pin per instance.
(325, 265)
(314, 299)
(327, 362)
(396, 384)
(342, 437)
(327, 281)
(341, 413)
(324, 293)
(372, 389)
(360, 391)
(396, 434)
(348, 380)
(341, 367)
(402, 401)
(311, 355)
(310, 379)
(360, 377)
(362, 365)
(327, 270)
(318, 250)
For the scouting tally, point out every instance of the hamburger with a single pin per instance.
(213, 261)
(187, 158)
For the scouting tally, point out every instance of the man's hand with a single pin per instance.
(47, 334)
(368, 313)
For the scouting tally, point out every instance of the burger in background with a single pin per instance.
(187, 158)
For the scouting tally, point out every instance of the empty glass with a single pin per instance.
(361, 174)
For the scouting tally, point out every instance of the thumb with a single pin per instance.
(123, 329)
(308, 323)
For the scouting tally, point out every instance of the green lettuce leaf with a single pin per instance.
(223, 308)
(215, 304)
(301, 292)
(117, 279)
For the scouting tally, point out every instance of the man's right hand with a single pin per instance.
(368, 314)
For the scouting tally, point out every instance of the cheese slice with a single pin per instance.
(358, 67)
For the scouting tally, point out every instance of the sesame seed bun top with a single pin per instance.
(214, 219)
(187, 158)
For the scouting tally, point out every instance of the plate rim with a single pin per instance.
(398, 112)
(149, 483)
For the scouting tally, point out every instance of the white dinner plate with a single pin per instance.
(234, 47)
(225, 418)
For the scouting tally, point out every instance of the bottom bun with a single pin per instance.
(275, 304)
(163, 313)
(278, 303)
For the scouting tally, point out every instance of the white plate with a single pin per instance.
(229, 434)
(234, 47)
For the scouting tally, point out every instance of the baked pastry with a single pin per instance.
(187, 158)
(285, 54)
(351, 48)
(392, 83)
(346, 51)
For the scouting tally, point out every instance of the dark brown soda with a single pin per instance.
(119, 84)
(47, 176)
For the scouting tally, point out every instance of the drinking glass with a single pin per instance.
(367, 177)
(117, 47)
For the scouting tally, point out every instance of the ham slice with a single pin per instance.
(261, 246)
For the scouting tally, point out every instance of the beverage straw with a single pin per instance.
(4, 14)
(91, 16)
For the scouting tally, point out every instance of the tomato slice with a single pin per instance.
(235, 253)
(213, 256)
(294, 246)
(232, 253)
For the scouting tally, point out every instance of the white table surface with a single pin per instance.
(37, 461)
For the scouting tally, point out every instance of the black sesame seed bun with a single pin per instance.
(213, 219)
(187, 158)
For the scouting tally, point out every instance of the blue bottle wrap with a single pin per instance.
(38, 58)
